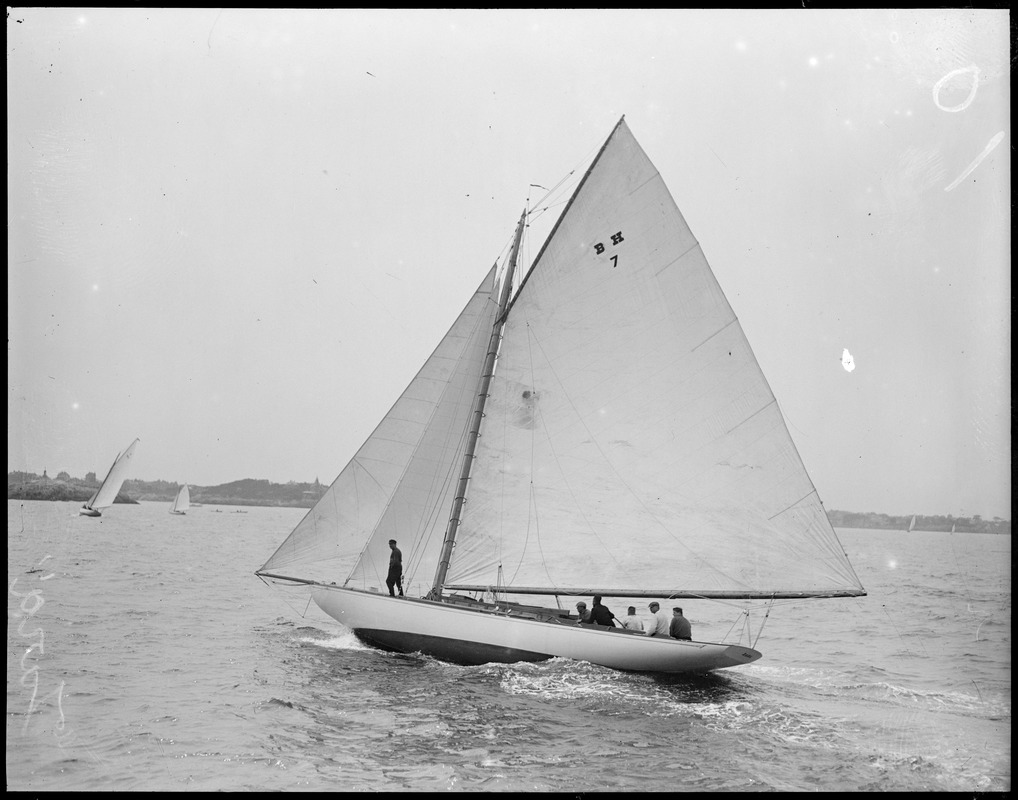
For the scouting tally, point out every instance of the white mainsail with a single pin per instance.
(399, 484)
(631, 445)
(182, 502)
(110, 487)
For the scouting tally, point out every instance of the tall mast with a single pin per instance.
(475, 424)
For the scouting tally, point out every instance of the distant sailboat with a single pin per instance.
(110, 487)
(182, 502)
(911, 525)
(606, 430)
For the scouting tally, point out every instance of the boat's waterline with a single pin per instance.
(482, 636)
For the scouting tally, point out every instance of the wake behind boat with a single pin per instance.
(604, 430)
(110, 487)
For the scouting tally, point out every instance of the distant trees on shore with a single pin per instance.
(931, 522)
(245, 492)
(256, 492)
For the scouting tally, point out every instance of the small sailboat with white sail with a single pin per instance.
(911, 525)
(182, 502)
(598, 427)
(110, 487)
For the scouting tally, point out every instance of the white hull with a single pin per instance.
(465, 635)
(85, 511)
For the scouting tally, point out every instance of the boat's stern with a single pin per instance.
(737, 656)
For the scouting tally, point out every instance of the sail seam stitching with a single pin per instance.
(793, 505)
(719, 330)
(755, 413)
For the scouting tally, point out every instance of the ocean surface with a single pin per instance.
(144, 654)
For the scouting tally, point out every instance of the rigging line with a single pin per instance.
(296, 610)
(533, 521)
(451, 476)
(792, 505)
(723, 328)
(552, 190)
(362, 469)
(968, 591)
(789, 420)
(744, 420)
(739, 618)
(433, 525)
(532, 495)
(562, 216)
(525, 243)
(482, 392)
(747, 629)
(429, 522)
(394, 493)
(537, 212)
(901, 638)
(531, 341)
(759, 633)
(504, 450)
(498, 376)
(577, 165)
(483, 432)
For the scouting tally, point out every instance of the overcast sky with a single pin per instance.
(238, 234)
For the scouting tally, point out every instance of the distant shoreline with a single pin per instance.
(246, 492)
(257, 492)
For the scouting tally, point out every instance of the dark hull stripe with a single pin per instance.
(456, 651)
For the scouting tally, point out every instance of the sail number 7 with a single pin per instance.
(616, 240)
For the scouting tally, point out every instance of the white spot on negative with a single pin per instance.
(847, 361)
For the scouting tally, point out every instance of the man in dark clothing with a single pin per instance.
(395, 576)
(600, 614)
(680, 627)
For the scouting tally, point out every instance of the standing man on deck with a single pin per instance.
(395, 576)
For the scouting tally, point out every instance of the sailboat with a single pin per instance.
(110, 487)
(598, 427)
(911, 524)
(182, 502)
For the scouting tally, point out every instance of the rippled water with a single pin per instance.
(143, 654)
